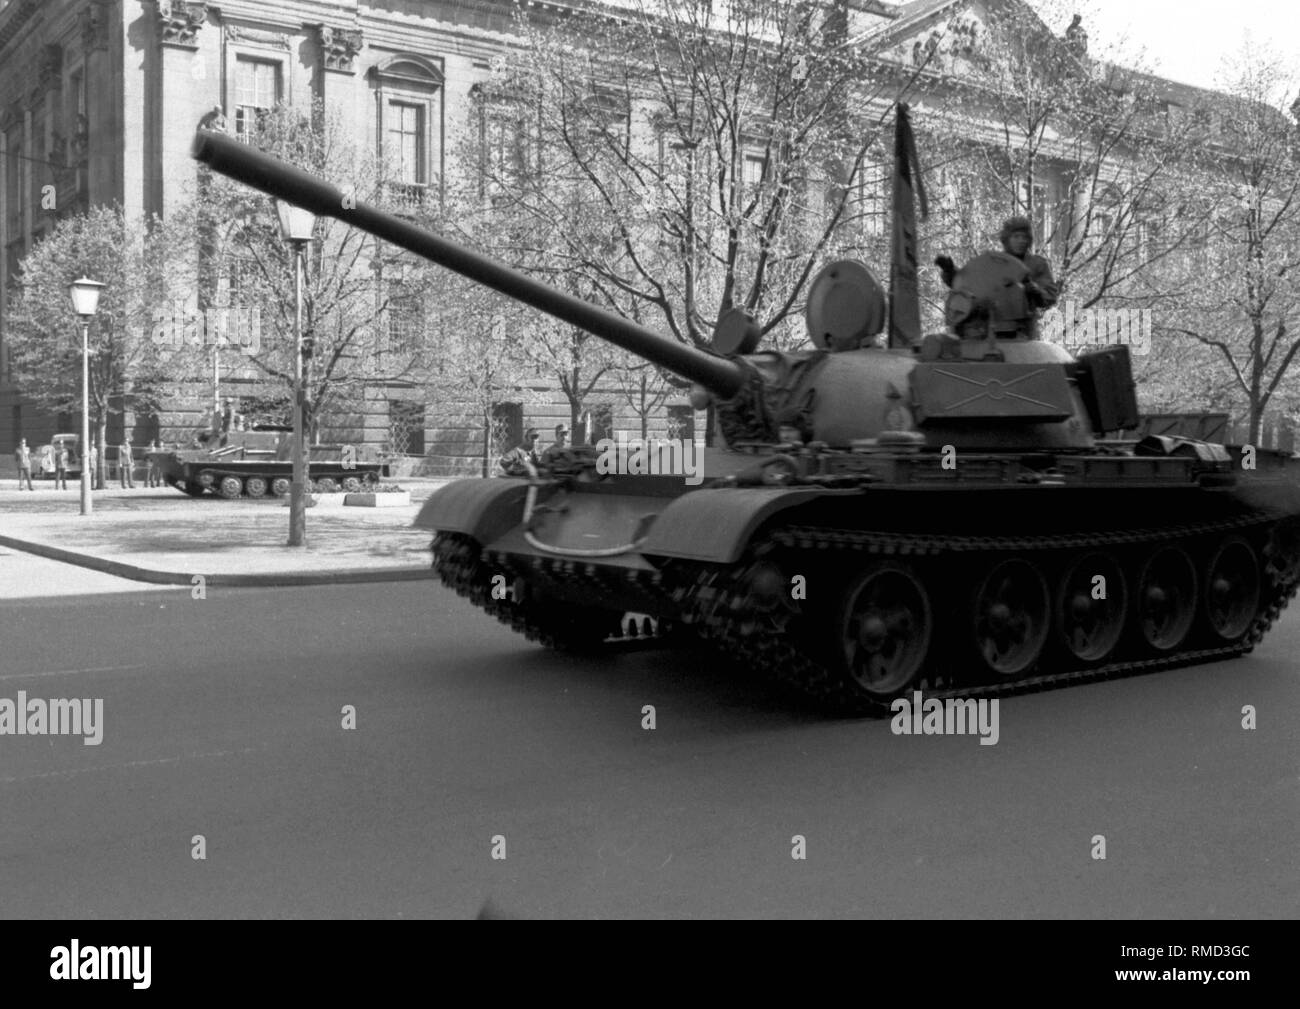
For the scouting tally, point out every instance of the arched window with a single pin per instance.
(408, 114)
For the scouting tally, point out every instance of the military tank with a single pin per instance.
(962, 517)
(260, 462)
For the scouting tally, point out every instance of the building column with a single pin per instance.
(178, 28)
(339, 48)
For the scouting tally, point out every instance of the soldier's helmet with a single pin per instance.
(1013, 224)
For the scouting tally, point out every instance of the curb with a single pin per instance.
(349, 576)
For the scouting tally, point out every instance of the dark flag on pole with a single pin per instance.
(904, 302)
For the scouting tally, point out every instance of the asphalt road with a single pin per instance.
(222, 718)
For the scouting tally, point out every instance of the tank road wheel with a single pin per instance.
(885, 627)
(351, 484)
(255, 486)
(1231, 589)
(327, 485)
(1282, 554)
(1091, 604)
(1010, 617)
(1165, 601)
(280, 486)
(231, 487)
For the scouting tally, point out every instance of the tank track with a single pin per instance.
(211, 478)
(772, 651)
(458, 561)
(718, 605)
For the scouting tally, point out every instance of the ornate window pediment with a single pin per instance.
(409, 73)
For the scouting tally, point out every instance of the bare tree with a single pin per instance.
(1241, 284)
(128, 364)
(364, 320)
(478, 367)
(1092, 151)
(683, 158)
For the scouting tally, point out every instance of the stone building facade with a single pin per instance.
(99, 99)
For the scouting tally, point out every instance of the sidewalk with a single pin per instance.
(166, 538)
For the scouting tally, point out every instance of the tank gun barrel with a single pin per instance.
(274, 177)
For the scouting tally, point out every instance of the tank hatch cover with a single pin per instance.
(983, 391)
(846, 305)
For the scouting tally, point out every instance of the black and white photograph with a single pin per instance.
(651, 459)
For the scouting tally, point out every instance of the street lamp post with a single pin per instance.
(85, 302)
(296, 227)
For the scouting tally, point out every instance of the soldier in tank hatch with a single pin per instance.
(1017, 237)
(1041, 290)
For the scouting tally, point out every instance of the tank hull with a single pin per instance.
(990, 591)
(199, 473)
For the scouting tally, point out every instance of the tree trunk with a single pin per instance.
(101, 435)
(645, 421)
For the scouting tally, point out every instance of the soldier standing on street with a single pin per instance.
(61, 466)
(125, 463)
(154, 476)
(561, 442)
(23, 456)
(515, 462)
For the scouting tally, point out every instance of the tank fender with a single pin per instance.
(715, 526)
(484, 509)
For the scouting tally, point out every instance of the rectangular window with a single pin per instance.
(406, 426)
(405, 320)
(405, 142)
(752, 172)
(871, 197)
(507, 428)
(241, 281)
(1102, 223)
(78, 95)
(1042, 218)
(257, 90)
(14, 177)
(506, 144)
(1148, 238)
(13, 256)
